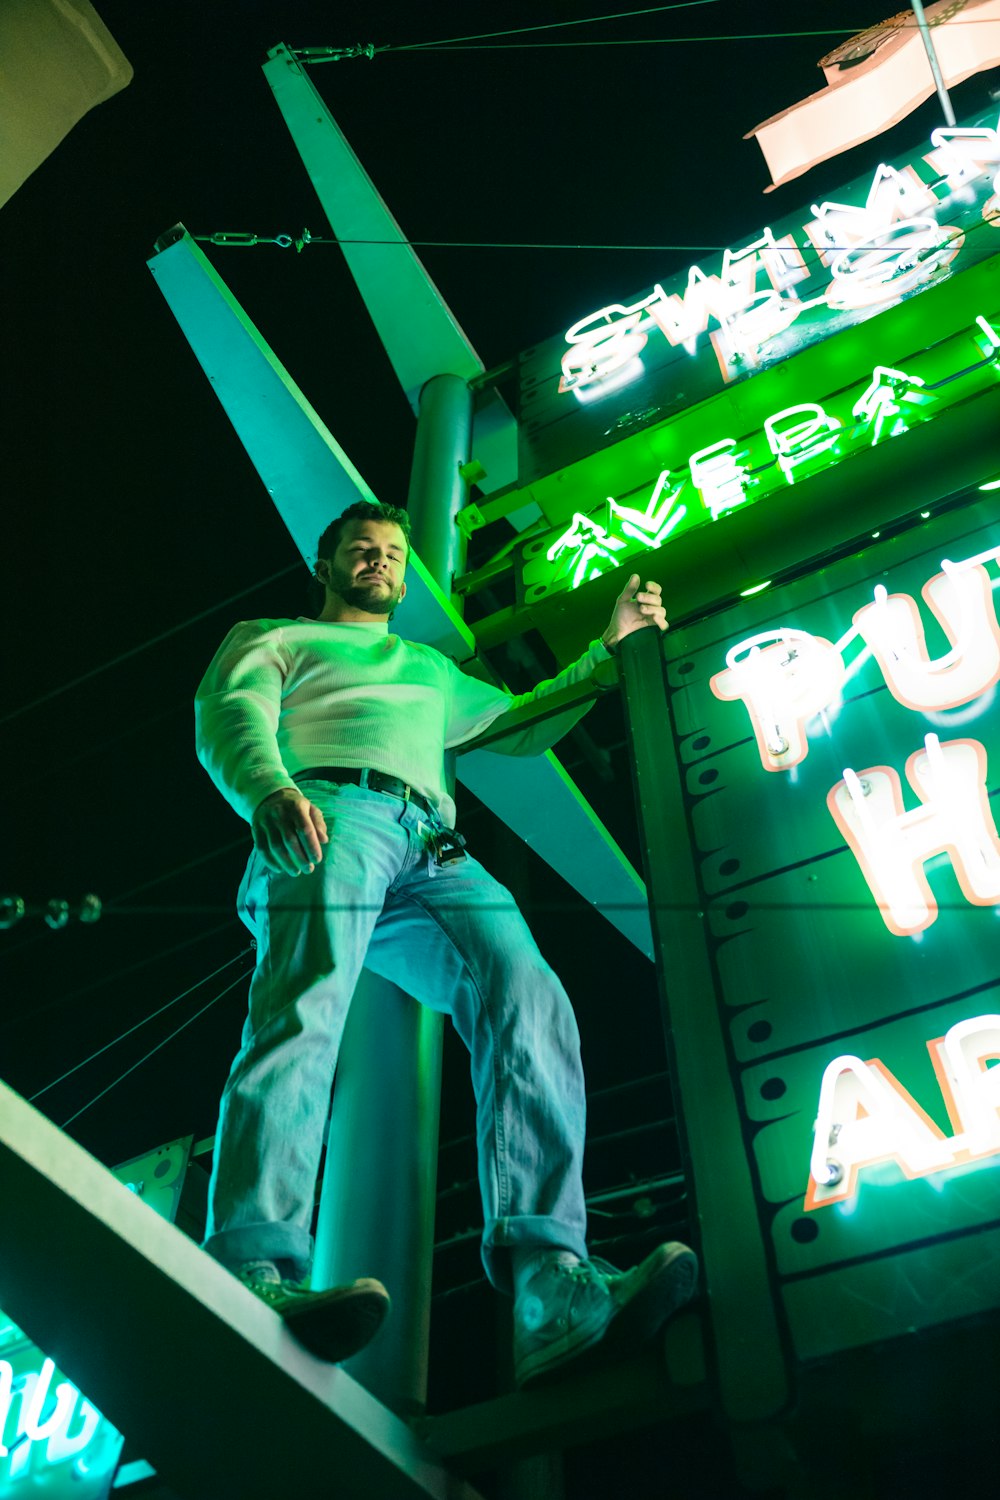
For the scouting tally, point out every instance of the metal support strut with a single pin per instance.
(379, 1188)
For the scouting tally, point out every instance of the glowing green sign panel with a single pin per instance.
(793, 444)
(886, 239)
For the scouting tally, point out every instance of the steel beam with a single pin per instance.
(379, 1195)
(418, 330)
(437, 490)
(204, 1378)
(304, 469)
(310, 478)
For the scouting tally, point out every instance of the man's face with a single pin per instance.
(366, 570)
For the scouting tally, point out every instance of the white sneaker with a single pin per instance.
(333, 1324)
(589, 1308)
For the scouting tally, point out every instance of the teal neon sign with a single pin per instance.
(53, 1441)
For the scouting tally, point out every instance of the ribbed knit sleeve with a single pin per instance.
(236, 715)
(476, 706)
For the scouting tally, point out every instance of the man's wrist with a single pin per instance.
(610, 646)
(279, 791)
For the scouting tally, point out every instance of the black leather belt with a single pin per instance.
(376, 781)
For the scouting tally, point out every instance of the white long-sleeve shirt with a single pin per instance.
(282, 696)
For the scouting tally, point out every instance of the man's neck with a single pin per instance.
(336, 612)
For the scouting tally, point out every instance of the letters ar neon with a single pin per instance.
(866, 1117)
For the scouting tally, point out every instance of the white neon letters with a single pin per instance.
(892, 845)
(962, 153)
(591, 548)
(784, 677)
(28, 1394)
(875, 252)
(662, 513)
(961, 600)
(800, 433)
(607, 344)
(719, 477)
(883, 401)
(970, 1086)
(866, 1117)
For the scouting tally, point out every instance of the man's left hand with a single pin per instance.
(638, 605)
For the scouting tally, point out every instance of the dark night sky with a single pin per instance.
(130, 507)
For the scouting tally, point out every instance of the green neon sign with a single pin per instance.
(793, 444)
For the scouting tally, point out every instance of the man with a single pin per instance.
(329, 737)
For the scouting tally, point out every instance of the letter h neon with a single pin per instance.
(892, 845)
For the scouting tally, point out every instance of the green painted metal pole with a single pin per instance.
(437, 489)
(376, 1214)
(932, 58)
(749, 1361)
(379, 1188)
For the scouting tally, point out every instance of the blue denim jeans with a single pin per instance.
(453, 938)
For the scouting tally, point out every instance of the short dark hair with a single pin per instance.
(362, 510)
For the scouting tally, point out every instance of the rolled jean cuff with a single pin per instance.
(277, 1242)
(542, 1230)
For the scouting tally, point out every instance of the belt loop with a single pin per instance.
(406, 792)
(363, 779)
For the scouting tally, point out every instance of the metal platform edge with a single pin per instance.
(203, 1378)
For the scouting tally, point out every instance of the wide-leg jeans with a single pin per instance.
(452, 938)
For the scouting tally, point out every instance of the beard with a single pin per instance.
(373, 598)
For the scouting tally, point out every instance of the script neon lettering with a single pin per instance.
(963, 153)
(800, 438)
(661, 515)
(720, 478)
(28, 1395)
(883, 401)
(590, 547)
(800, 434)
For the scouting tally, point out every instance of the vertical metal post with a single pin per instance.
(437, 489)
(376, 1214)
(377, 1205)
(925, 36)
(749, 1361)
